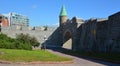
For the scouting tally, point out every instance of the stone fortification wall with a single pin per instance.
(39, 34)
(100, 35)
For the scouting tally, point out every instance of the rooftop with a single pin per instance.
(63, 11)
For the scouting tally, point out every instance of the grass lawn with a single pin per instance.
(29, 56)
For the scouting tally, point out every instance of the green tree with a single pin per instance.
(27, 39)
(34, 42)
(45, 28)
(22, 41)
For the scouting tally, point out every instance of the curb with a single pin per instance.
(37, 62)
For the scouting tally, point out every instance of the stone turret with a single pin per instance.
(63, 16)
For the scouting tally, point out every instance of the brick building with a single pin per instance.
(4, 21)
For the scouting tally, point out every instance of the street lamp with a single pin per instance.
(44, 45)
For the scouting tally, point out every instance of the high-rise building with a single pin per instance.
(18, 20)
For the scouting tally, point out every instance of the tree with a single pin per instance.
(22, 41)
(27, 39)
(45, 28)
(34, 42)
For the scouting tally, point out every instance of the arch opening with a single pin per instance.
(67, 40)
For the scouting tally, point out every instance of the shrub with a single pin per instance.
(24, 46)
(22, 41)
(34, 42)
(27, 39)
(6, 42)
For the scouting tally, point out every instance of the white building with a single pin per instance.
(18, 20)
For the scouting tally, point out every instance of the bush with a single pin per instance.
(45, 28)
(22, 41)
(6, 42)
(27, 39)
(23, 38)
(24, 46)
(34, 42)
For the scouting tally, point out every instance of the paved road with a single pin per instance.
(76, 62)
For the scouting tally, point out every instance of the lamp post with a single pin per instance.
(44, 45)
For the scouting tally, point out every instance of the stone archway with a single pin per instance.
(67, 40)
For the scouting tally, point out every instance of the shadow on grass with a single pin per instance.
(89, 57)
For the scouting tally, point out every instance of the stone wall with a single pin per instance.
(114, 32)
(93, 35)
(87, 35)
(71, 26)
(39, 34)
(100, 35)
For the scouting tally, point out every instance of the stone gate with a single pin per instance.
(93, 35)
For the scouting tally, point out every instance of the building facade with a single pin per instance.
(14, 21)
(4, 21)
(18, 20)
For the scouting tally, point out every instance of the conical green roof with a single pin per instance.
(63, 11)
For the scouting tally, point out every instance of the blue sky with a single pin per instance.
(46, 12)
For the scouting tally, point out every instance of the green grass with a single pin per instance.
(29, 56)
